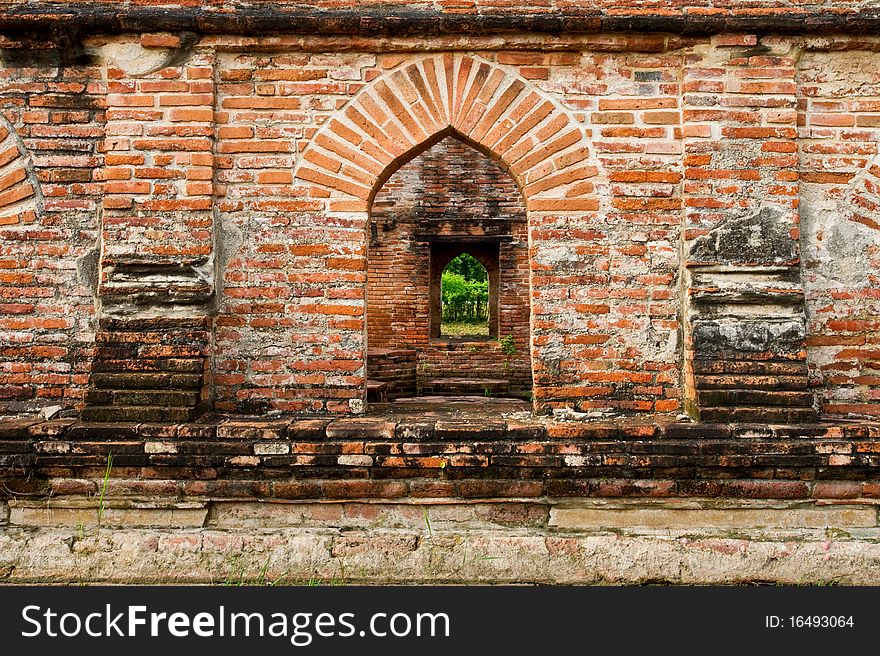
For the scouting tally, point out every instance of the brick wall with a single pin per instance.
(671, 187)
(746, 331)
(290, 327)
(839, 129)
(52, 126)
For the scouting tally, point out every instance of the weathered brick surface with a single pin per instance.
(290, 329)
(741, 230)
(838, 109)
(50, 151)
(670, 187)
(157, 226)
(394, 456)
(404, 540)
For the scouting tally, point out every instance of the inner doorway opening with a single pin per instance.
(448, 279)
(464, 298)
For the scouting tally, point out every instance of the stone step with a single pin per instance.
(465, 387)
(377, 391)
(171, 365)
(177, 335)
(142, 397)
(750, 367)
(755, 397)
(150, 413)
(765, 414)
(145, 380)
(706, 382)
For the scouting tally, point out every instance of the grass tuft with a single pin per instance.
(102, 501)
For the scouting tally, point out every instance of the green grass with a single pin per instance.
(102, 506)
(450, 329)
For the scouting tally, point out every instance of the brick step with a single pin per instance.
(96, 397)
(391, 354)
(763, 414)
(150, 351)
(178, 365)
(751, 382)
(755, 397)
(465, 387)
(377, 391)
(121, 338)
(750, 367)
(136, 413)
(147, 380)
(165, 324)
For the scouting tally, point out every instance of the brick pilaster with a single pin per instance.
(745, 352)
(157, 264)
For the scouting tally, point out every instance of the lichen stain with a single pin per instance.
(761, 238)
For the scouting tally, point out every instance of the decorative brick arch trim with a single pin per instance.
(20, 199)
(864, 195)
(409, 109)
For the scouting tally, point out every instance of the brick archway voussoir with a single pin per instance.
(865, 196)
(19, 188)
(405, 111)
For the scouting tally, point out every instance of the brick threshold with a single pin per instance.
(422, 426)
(419, 456)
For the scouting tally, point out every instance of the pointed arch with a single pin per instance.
(20, 197)
(412, 107)
(490, 107)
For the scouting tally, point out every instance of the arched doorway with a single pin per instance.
(449, 203)
(542, 146)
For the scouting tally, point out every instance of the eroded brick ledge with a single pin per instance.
(427, 18)
(390, 456)
(439, 498)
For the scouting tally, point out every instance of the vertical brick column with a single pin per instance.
(637, 135)
(745, 356)
(839, 121)
(289, 331)
(157, 267)
(157, 227)
(49, 156)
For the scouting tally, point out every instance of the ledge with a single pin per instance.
(454, 454)
(423, 19)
